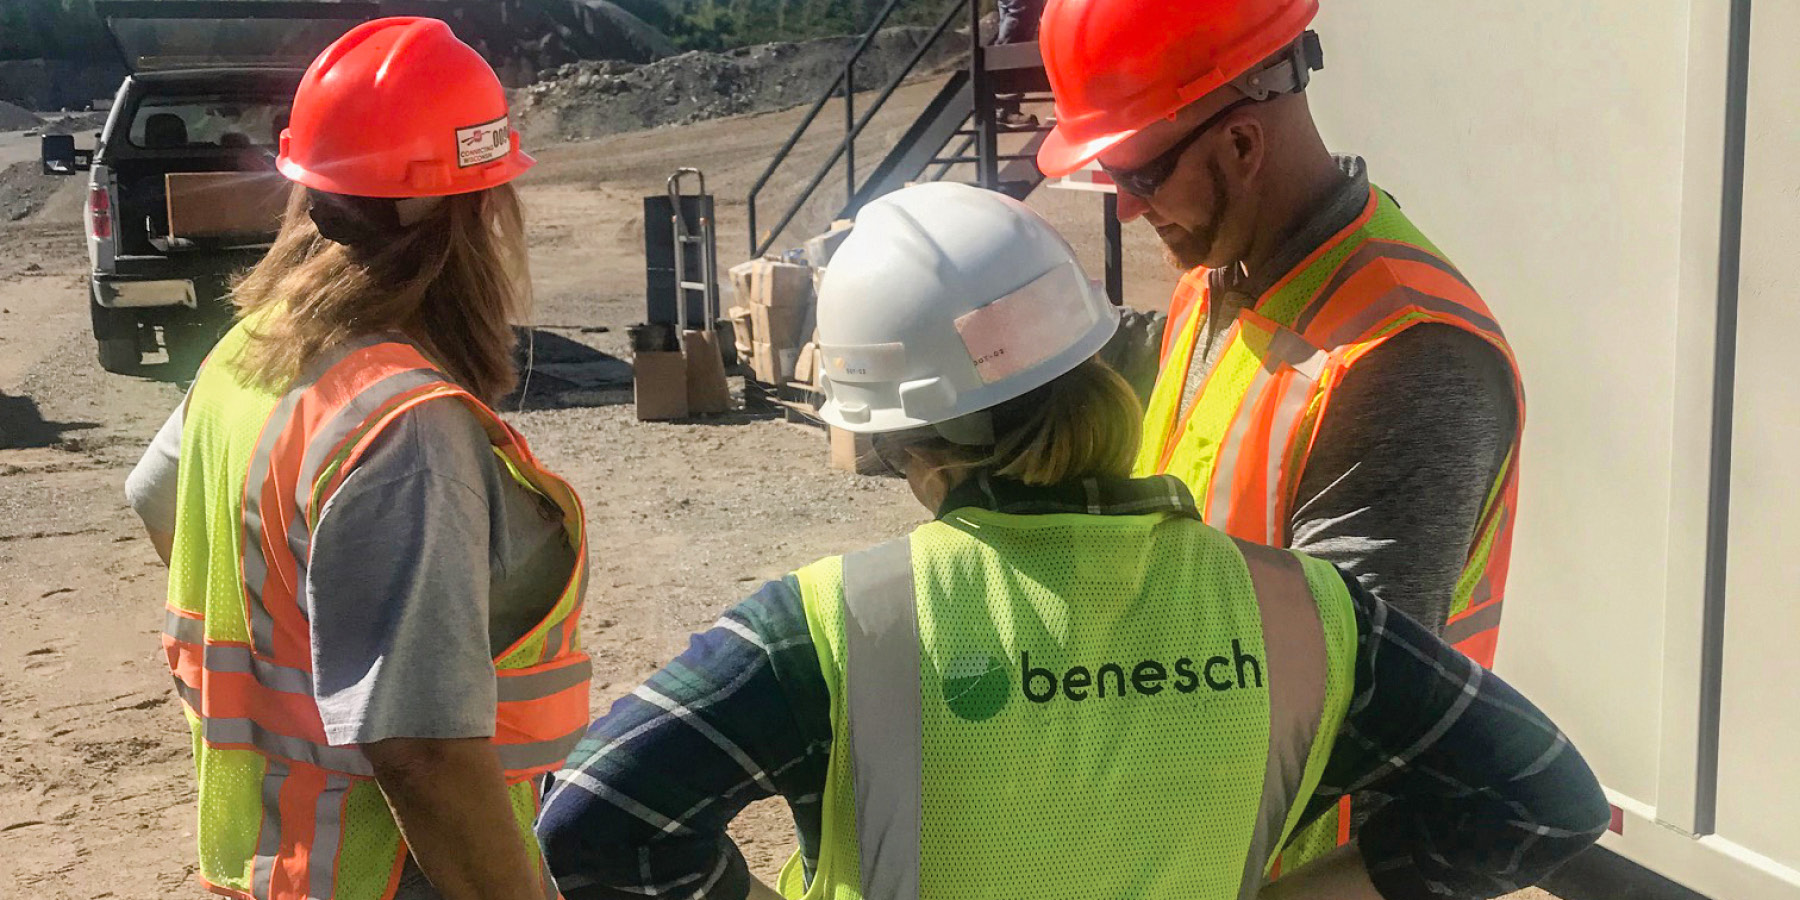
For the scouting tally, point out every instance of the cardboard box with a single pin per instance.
(659, 385)
(707, 391)
(806, 370)
(740, 330)
(820, 249)
(781, 326)
(852, 452)
(764, 366)
(225, 204)
(782, 284)
(743, 281)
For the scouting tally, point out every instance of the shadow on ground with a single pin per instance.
(560, 372)
(23, 426)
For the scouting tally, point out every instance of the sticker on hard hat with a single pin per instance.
(480, 144)
(865, 362)
(1026, 327)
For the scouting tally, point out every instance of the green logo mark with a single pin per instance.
(976, 686)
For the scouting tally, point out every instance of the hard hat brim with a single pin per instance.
(1063, 153)
(492, 175)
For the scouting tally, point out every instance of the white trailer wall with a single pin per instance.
(1572, 159)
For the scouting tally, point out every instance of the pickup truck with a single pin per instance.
(182, 189)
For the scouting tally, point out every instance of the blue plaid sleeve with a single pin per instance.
(641, 807)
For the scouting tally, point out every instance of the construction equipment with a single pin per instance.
(682, 313)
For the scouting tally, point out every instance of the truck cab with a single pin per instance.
(183, 195)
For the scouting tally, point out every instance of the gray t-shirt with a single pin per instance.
(1408, 450)
(428, 561)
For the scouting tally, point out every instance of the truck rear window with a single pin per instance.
(202, 123)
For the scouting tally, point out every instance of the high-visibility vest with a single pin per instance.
(283, 814)
(1243, 444)
(1056, 706)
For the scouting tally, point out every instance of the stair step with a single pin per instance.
(1001, 57)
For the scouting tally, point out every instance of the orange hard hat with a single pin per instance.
(400, 108)
(1117, 66)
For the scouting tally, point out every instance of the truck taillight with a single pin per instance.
(99, 208)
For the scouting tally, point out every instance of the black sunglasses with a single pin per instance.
(1145, 180)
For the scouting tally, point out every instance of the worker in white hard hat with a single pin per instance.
(1066, 684)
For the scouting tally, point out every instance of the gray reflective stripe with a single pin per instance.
(184, 629)
(188, 695)
(323, 444)
(237, 660)
(1231, 453)
(256, 566)
(328, 838)
(1297, 662)
(881, 673)
(347, 760)
(1370, 251)
(268, 840)
(1392, 301)
(1483, 619)
(522, 757)
(1293, 350)
(1296, 397)
(517, 688)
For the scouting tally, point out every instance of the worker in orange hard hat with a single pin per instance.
(374, 586)
(1327, 379)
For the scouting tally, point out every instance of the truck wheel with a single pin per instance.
(116, 336)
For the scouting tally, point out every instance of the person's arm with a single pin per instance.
(151, 488)
(397, 595)
(1404, 460)
(449, 797)
(642, 805)
(1485, 795)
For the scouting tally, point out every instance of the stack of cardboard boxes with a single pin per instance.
(775, 319)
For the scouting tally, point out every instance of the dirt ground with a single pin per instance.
(96, 795)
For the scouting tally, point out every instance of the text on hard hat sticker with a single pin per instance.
(479, 144)
(1026, 327)
(864, 362)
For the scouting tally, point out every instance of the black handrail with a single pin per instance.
(849, 141)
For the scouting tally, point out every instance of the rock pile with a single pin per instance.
(593, 99)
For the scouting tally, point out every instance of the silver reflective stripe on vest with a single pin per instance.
(328, 838)
(881, 674)
(538, 685)
(268, 839)
(1298, 662)
(243, 732)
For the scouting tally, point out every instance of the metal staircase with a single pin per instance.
(956, 136)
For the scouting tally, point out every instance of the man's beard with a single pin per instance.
(1187, 249)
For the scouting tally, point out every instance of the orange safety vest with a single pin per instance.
(1244, 443)
(284, 815)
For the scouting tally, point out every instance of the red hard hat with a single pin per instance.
(1116, 66)
(400, 108)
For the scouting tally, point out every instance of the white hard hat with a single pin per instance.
(947, 300)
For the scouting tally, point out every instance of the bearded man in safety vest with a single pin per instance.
(1328, 380)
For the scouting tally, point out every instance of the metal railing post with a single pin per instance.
(850, 133)
(986, 144)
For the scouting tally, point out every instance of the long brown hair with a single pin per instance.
(452, 282)
(1085, 424)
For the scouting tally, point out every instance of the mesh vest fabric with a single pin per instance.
(282, 814)
(1146, 787)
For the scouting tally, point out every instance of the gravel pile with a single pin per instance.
(16, 118)
(593, 99)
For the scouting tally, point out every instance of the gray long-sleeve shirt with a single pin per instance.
(1407, 452)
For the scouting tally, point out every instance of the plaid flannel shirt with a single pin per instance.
(1484, 794)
